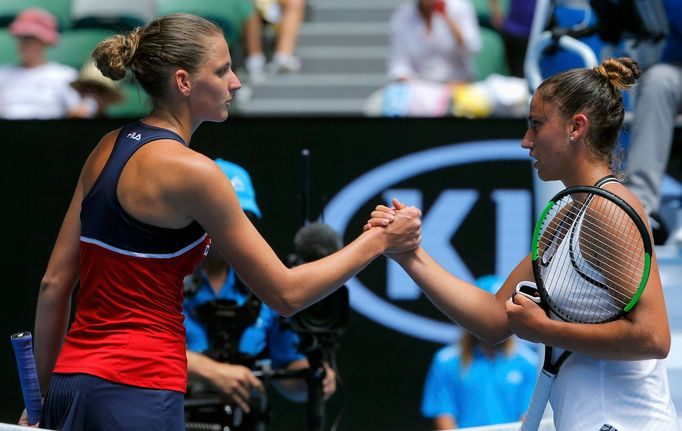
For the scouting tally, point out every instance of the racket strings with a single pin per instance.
(625, 247)
(621, 249)
(597, 271)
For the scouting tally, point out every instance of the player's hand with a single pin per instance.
(23, 420)
(329, 382)
(439, 7)
(382, 216)
(402, 223)
(404, 232)
(237, 382)
(525, 318)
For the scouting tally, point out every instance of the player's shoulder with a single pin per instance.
(623, 192)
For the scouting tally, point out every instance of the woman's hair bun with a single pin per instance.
(114, 54)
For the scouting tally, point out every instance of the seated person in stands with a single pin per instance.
(434, 40)
(288, 16)
(97, 91)
(475, 383)
(229, 330)
(37, 88)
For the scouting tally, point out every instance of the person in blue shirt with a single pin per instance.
(476, 384)
(256, 330)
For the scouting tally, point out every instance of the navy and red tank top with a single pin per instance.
(128, 326)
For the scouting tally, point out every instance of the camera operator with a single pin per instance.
(228, 364)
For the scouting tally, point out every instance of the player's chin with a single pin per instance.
(219, 116)
(544, 174)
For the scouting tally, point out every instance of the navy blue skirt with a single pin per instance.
(84, 402)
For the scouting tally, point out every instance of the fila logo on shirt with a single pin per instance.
(477, 201)
(136, 136)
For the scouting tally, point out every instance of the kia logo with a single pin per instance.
(512, 238)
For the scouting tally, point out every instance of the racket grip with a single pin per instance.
(22, 343)
(538, 403)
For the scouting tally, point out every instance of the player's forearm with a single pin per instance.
(299, 287)
(472, 308)
(618, 340)
(52, 316)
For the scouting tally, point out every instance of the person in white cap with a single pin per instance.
(37, 88)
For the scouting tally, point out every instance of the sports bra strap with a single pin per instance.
(606, 180)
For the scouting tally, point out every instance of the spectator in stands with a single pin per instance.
(514, 26)
(658, 102)
(434, 40)
(476, 383)
(97, 91)
(37, 88)
(288, 16)
(216, 281)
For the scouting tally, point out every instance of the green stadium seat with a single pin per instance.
(482, 8)
(8, 48)
(119, 15)
(134, 105)
(75, 46)
(61, 9)
(492, 58)
(228, 14)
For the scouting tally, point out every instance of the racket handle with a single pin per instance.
(538, 403)
(22, 343)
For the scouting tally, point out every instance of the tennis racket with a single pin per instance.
(591, 254)
(22, 343)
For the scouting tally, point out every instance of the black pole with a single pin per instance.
(315, 406)
(305, 186)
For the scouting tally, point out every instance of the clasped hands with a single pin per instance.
(402, 224)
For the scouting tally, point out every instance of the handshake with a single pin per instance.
(401, 224)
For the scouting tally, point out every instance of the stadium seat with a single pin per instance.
(75, 46)
(482, 8)
(59, 8)
(491, 59)
(134, 105)
(119, 15)
(229, 15)
(8, 48)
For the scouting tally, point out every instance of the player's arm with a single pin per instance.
(476, 310)
(60, 277)
(207, 196)
(56, 287)
(643, 333)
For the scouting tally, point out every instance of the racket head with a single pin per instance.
(591, 255)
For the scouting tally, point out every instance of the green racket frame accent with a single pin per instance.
(536, 231)
(642, 284)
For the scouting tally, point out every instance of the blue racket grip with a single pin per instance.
(28, 377)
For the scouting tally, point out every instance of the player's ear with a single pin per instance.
(579, 124)
(182, 81)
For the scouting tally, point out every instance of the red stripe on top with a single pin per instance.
(128, 326)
